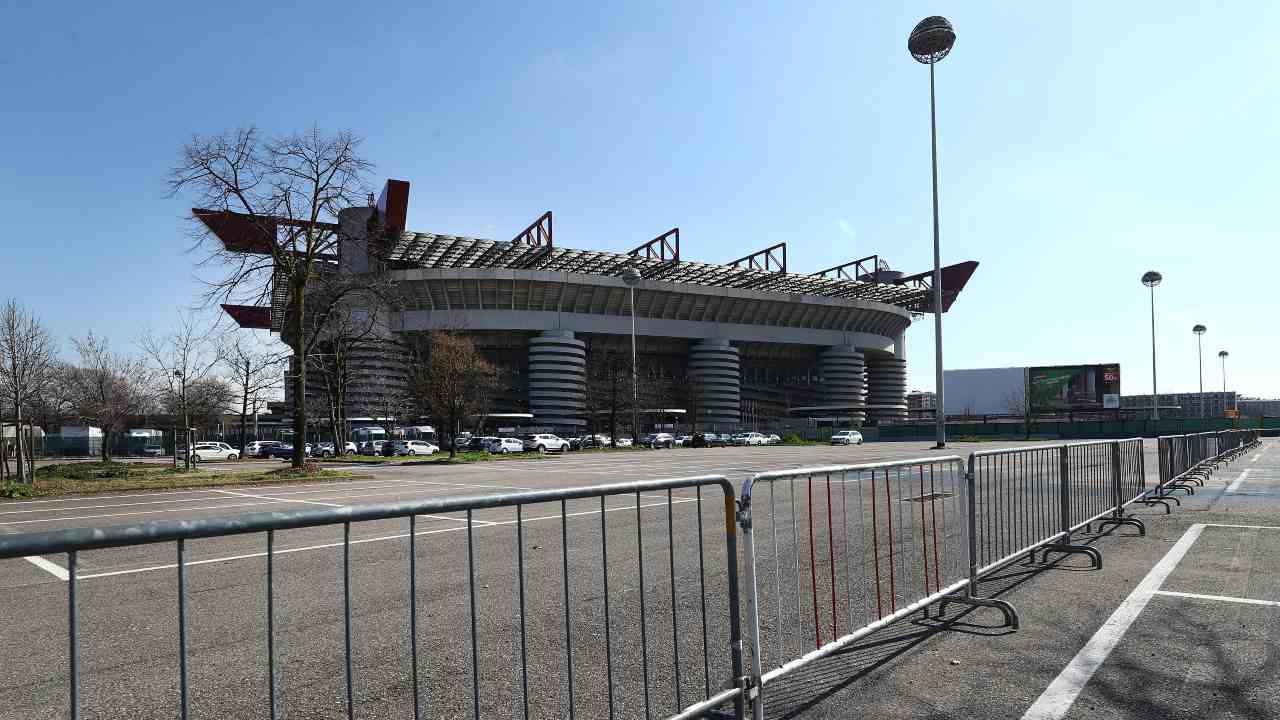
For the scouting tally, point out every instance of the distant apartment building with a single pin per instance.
(1184, 405)
(1257, 407)
(921, 404)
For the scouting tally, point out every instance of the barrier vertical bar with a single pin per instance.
(608, 632)
(346, 613)
(475, 645)
(568, 623)
(413, 614)
(73, 636)
(675, 623)
(644, 619)
(182, 630)
(271, 626)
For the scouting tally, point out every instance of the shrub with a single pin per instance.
(16, 490)
(85, 471)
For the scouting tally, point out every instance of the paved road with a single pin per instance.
(128, 602)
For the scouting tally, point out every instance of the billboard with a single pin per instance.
(1066, 388)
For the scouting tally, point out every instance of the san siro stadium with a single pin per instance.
(721, 347)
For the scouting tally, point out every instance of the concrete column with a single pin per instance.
(558, 380)
(715, 367)
(844, 381)
(886, 387)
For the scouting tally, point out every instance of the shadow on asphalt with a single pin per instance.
(804, 690)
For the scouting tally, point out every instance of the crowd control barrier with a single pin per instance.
(705, 647)
(829, 555)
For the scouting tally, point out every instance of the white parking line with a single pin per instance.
(52, 568)
(1057, 699)
(380, 538)
(264, 497)
(1219, 598)
(1235, 484)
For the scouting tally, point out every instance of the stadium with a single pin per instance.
(720, 346)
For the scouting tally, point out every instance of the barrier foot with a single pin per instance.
(1076, 549)
(1160, 501)
(1173, 486)
(1010, 613)
(1119, 520)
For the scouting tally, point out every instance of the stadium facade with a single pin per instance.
(718, 344)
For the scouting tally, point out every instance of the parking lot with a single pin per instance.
(1197, 641)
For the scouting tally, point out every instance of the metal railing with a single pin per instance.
(1186, 461)
(680, 593)
(833, 554)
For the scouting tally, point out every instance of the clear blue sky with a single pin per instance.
(1080, 146)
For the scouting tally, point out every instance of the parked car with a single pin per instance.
(506, 445)
(658, 440)
(772, 439)
(372, 447)
(479, 443)
(414, 447)
(708, 440)
(847, 437)
(151, 451)
(545, 442)
(576, 443)
(749, 438)
(285, 451)
(684, 441)
(260, 448)
(202, 451)
(326, 449)
(623, 442)
(461, 439)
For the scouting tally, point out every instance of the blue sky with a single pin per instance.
(1079, 148)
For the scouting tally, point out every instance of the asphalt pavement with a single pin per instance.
(959, 665)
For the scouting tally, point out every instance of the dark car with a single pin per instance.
(708, 440)
(280, 451)
(479, 444)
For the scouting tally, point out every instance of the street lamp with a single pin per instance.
(930, 41)
(1199, 330)
(631, 277)
(1151, 279)
(186, 422)
(1222, 354)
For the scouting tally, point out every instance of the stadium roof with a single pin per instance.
(431, 250)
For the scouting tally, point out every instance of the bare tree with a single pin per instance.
(1017, 403)
(450, 378)
(105, 388)
(182, 359)
(286, 193)
(609, 390)
(26, 364)
(253, 372)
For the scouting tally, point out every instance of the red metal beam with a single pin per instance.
(244, 233)
(773, 260)
(393, 206)
(954, 278)
(860, 267)
(664, 247)
(253, 317)
(538, 234)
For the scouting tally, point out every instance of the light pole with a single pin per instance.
(186, 421)
(1222, 355)
(1199, 331)
(1151, 279)
(631, 277)
(930, 41)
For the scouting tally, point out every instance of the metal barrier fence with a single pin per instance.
(833, 554)
(701, 640)
(1187, 460)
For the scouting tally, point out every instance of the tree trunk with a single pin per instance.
(454, 422)
(17, 437)
(298, 344)
(244, 408)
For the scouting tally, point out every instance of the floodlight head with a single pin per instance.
(1151, 278)
(631, 276)
(931, 39)
(1199, 329)
(1223, 354)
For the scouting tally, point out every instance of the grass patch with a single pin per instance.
(113, 477)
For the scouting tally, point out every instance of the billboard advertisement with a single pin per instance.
(1066, 388)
